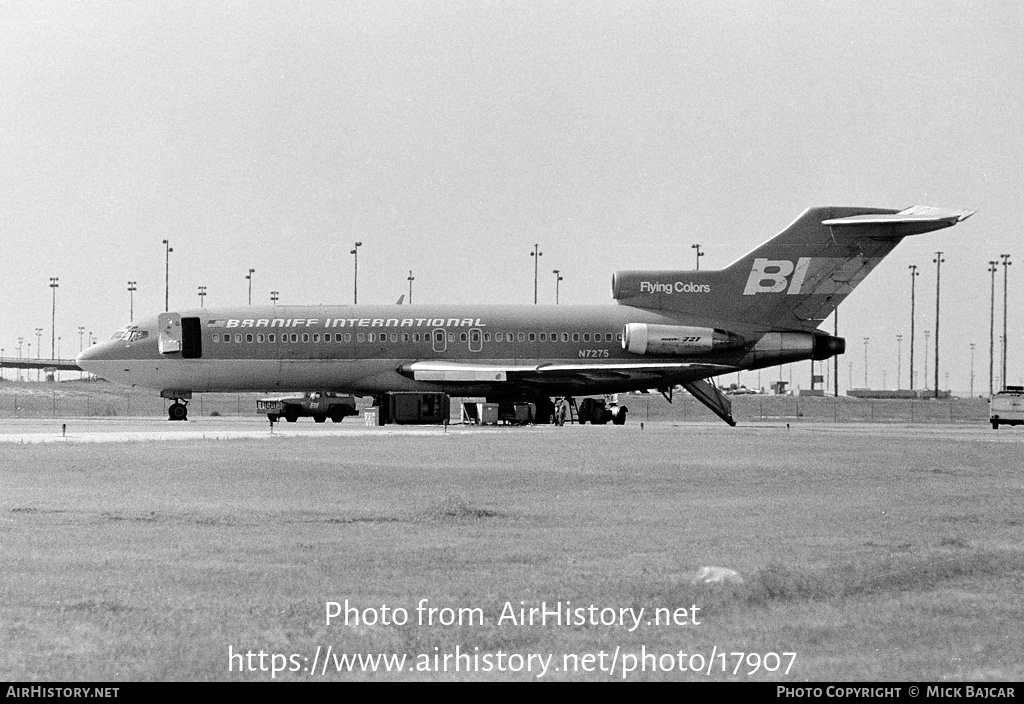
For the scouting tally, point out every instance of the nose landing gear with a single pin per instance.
(178, 410)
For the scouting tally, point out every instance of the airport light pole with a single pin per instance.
(274, 297)
(410, 278)
(927, 333)
(536, 254)
(202, 295)
(972, 370)
(913, 279)
(835, 371)
(558, 278)
(248, 277)
(81, 334)
(355, 277)
(992, 267)
(39, 348)
(1006, 269)
(20, 340)
(167, 275)
(938, 281)
(131, 301)
(699, 254)
(866, 362)
(999, 379)
(899, 359)
(53, 318)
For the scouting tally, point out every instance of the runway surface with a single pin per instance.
(140, 429)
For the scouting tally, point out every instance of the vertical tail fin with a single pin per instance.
(794, 280)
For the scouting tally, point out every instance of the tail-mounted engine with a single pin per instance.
(642, 338)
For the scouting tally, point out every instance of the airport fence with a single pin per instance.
(795, 409)
(100, 399)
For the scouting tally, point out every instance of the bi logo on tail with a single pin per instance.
(774, 276)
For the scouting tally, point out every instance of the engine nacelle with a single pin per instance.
(642, 338)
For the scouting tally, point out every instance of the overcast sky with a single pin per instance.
(450, 137)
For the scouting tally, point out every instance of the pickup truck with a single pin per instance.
(1007, 407)
(321, 405)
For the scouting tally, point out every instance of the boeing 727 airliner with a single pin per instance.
(667, 328)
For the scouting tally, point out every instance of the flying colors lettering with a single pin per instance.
(773, 276)
(346, 322)
(669, 288)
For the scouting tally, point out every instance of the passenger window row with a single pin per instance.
(306, 337)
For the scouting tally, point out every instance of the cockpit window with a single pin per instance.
(130, 334)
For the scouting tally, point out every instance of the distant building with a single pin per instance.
(898, 393)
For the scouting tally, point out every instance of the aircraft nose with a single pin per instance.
(89, 355)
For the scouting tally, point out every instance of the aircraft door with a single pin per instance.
(440, 340)
(169, 326)
(476, 340)
(191, 338)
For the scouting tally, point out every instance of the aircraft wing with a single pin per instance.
(450, 372)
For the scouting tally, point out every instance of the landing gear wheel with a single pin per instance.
(177, 411)
(320, 419)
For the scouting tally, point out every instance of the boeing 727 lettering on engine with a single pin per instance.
(667, 328)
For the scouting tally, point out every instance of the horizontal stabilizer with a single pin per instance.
(912, 221)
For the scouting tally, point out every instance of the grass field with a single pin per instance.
(873, 552)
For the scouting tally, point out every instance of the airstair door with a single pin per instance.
(169, 326)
